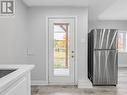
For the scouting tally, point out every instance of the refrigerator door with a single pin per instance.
(105, 67)
(105, 38)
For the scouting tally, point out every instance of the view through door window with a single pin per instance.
(61, 44)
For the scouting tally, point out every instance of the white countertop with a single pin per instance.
(7, 80)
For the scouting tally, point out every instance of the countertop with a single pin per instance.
(7, 80)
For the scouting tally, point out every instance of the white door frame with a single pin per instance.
(47, 48)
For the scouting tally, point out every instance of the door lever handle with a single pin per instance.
(72, 51)
(72, 56)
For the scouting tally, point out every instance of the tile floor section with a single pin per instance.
(120, 89)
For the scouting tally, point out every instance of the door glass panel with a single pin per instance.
(61, 51)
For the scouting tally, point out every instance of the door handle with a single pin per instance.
(72, 56)
(72, 51)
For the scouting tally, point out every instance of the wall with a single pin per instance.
(122, 25)
(107, 24)
(37, 38)
(13, 36)
(122, 59)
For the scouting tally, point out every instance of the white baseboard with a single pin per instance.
(123, 65)
(81, 83)
(56, 83)
(34, 82)
(38, 82)
(84, 84)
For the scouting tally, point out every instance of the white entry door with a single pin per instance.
(61, 50)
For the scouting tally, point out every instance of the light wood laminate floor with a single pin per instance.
(120, 89)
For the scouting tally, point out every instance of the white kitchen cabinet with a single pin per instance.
(17, 82)
(20, 87)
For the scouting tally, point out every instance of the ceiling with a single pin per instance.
(97, 8)
(118, 11)
(64, 2)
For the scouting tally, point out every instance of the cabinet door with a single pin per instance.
(19, 88)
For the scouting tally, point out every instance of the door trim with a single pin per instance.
(47, 47)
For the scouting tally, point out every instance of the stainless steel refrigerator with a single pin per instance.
(103, 57)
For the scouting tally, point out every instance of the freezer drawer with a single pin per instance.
(105, 67)
(105, 38)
